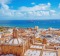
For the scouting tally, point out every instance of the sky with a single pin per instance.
(29, 9)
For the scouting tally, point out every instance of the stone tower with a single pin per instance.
(15, 33)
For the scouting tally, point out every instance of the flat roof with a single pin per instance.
(31, 52)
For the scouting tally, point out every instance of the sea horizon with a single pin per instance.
(30, 23)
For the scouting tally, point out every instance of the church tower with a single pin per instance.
(15, 33)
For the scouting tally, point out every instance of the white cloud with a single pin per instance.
(4, 1)
(5, 7)
(59, 5)
(39, 11)
(35, 8)
(33, 3)
(53, 12)
(49, 4)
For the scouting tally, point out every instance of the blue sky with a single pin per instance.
(29, 9)
(18, 3)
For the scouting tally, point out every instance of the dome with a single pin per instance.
(16, 41)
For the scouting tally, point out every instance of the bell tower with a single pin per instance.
(15, 33)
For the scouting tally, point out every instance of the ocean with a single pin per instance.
(30, 23)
